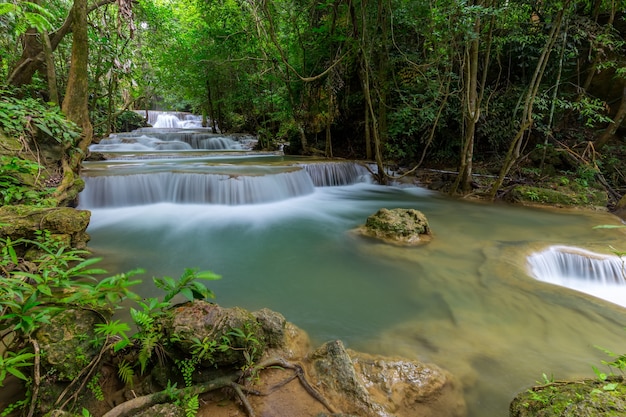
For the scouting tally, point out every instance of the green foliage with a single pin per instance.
(149, 335)
(125, 372)
(94, 386)
(11, 362)
(191, 406)
(26, 15)
(13, 186)
(187, 367)
(28, 118)
(187, 285)
(34, 292)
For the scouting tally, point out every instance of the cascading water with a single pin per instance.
(465, 301)
(168, 119)
(603, 276)
(193, 188)
(170, 133)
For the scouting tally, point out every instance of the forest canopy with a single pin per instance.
(481, 83)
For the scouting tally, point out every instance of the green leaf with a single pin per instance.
(610, 387)
(44, 289)
(17, 373)
(208, 275)
(8, 8)
(187, 293)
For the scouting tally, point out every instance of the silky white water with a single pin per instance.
(467, 301)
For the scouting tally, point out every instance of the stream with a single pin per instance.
(278, 231)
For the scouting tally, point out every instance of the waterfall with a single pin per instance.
(192, 188)
(150, 140)
(171, 119)
(167, 121)
(329, 174)
(559, 264)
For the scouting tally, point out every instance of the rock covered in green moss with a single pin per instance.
(587, 398)
(558, 196)
(236, 333)
(65, 223)
(66, 343)
(398, 226)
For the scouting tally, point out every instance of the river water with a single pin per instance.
(466, 301)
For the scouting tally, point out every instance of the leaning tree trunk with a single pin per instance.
(33, 54)
(526, 121)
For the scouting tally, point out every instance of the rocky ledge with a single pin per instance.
(266, 367)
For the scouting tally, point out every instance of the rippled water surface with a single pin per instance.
(465, 301)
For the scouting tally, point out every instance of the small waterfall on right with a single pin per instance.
(600, 275)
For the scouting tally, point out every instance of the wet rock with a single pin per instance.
(587, 398)
(376, 386)
(65, 223)
(273, 325)
(399, 226)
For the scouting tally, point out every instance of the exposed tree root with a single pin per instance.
(229, 381)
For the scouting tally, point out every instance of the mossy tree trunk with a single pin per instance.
(75, 103)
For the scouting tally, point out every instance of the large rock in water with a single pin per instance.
(398, 226)
(375, 386)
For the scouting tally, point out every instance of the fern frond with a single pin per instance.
(126, 373)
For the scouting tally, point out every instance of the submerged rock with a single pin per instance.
(399, 226)
(377, 386)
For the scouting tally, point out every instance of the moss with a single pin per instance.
(558, 196)
(401, 226)
(588, 398)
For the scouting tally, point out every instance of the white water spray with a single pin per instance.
(603, 276)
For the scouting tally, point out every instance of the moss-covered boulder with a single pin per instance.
(238, 335)
(587, 398)
(398, 226)
(66, 343)
(64, 223)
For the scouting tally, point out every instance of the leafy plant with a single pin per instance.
(34, 291)
(125, 372)
(13, 186)
(187, 285)
(95, 387)
(27, 118)
(149, 336)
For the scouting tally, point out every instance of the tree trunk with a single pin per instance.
(50, 71)
(617, 122)
(471, 113)
(526, 121)
(33, 56)
(75, 103)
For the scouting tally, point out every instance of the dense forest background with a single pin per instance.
(500, 87)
